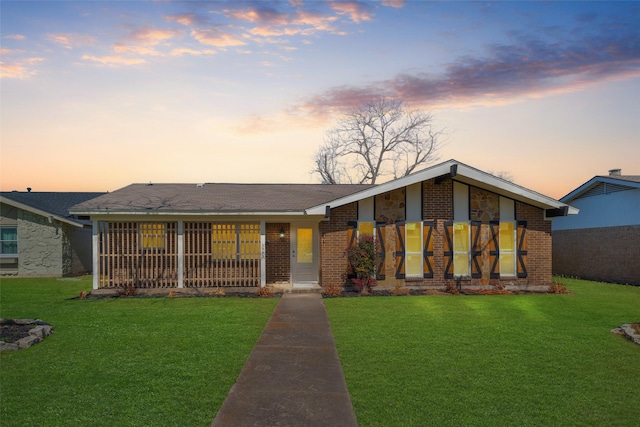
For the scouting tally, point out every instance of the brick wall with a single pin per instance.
(278, 252)
(333, 242)
(539, 248)
(610, 254)
(438, 207)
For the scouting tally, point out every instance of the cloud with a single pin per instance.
(529, 68)
(150, 36)
(397, 4)
(138, 50)
(260, 15)
(216, 37)
(357, 11)
(187, 19)
(114, 60)
(21, 69)
(15, 37)
(71, 40)
(186, 51)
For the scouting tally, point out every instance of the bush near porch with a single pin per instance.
(504, 360)
(124, 361)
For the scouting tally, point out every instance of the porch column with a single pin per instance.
(180, 254)
(95, 253)
(263, 254)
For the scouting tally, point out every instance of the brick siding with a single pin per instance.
(438, 207)
(610, 254)
(333, 242)
(278, 266)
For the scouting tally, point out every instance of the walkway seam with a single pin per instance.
(293, 375)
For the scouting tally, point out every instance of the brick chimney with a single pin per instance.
(615, 172)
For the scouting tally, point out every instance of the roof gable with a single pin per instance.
(462, 173)
(600, 185)
(56, 204)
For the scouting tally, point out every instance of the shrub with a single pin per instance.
(332, 290)
(557, 288)
(265, 291)
(127, 291)
(362, 258)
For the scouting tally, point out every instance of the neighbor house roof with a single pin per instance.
(49, 204)
(603, 184)
(216, 198)
(460, 172)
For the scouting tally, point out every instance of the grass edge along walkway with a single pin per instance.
(491, 360)
(124, 361)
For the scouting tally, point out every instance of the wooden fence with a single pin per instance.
(145, 255)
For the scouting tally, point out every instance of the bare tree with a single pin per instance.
(380, 138)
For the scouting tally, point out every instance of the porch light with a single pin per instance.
(282, 233)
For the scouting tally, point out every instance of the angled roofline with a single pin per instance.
(460, 172)
(40, 212)
(595, 180)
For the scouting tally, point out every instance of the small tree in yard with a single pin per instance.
(380, 138)
(362, 258)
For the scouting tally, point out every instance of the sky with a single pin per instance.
(96, 95)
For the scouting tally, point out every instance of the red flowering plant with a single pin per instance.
(362, 258)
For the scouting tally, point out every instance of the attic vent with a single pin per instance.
(615, 172)
(604, 188)
(199, 185)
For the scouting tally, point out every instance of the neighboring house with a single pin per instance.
(38, 236)
(603, 242)
(447, 224)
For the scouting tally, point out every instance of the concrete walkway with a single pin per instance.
(293, 376)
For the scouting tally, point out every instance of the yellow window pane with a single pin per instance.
(152, 236)
(413, 231)
(365, 228)
(461, 237)
(507, 264)
(413, 265)
(305, 245)
(461, 264)
(507, 237)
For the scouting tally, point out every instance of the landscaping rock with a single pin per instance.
(16, 334)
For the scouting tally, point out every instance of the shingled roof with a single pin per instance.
(217, 198)
(49, 203)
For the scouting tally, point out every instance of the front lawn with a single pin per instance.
(508, 360)
(123, 361)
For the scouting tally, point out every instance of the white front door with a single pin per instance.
(304, 253)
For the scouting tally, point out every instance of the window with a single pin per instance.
(413, 248)
(461, 246)
(8, 241)
(235, 241)
(152, 235)
(507, 236)
(365, 228)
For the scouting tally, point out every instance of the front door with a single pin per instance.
(304, 253)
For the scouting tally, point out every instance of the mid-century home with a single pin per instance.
(40, 238)
(449, 223)
(603, 242)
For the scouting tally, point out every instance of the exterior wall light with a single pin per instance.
(282, 233)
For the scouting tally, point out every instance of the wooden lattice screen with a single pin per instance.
(221, 254)
(143, 255)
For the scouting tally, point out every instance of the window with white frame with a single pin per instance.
(507, 236)
(8, 241)
(413, 249)
(461, 248)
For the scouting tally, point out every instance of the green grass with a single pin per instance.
(127, 361)
(526, 360)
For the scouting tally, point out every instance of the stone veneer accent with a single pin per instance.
(41, 247)
(484, 205)
(390, 207)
